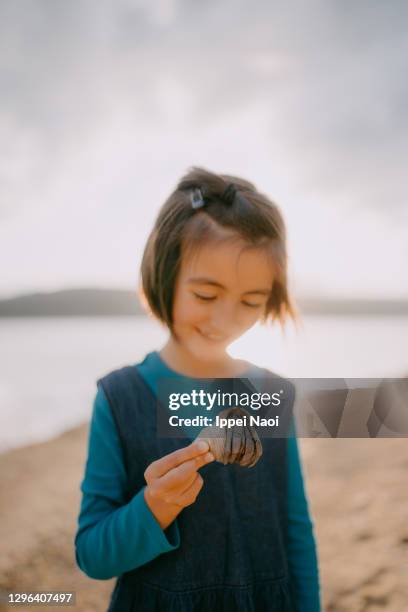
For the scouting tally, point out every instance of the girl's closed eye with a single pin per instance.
(205, 298)
(211, 298)
(250, 305)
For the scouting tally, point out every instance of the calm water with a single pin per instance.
(48, 367)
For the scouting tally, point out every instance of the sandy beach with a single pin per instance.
(358, 495)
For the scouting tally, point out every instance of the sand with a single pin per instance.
(358, 492)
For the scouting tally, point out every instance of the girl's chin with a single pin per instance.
(204, 349)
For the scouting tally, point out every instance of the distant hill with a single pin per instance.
(114, 302)
(73, 303)
(353, 307)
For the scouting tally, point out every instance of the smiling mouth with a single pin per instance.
(211, 337)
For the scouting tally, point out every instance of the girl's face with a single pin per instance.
(220, 293)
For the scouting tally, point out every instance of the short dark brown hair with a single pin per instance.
(248, 215)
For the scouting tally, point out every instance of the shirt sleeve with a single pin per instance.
(113, 536)
(303, 564)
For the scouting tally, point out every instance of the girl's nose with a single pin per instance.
(223, 319)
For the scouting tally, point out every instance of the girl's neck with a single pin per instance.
(183, 362)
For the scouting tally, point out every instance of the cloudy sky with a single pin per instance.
(105, 104)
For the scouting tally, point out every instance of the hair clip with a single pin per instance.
(229, 194)
(197, 200)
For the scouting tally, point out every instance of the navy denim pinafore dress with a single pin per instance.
(232, 555)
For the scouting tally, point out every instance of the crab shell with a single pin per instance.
(237, 444)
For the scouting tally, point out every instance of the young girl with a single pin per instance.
(183, 532)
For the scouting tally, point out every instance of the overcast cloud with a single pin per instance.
(104, 104)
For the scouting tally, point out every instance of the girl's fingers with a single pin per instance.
(189, 497)
(168, 462)
(178, 476)
(172, 496)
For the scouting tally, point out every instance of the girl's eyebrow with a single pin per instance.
(209, 281)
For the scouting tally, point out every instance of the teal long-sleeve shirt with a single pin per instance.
(114, 537)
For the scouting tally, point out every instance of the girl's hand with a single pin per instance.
(173, 481)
